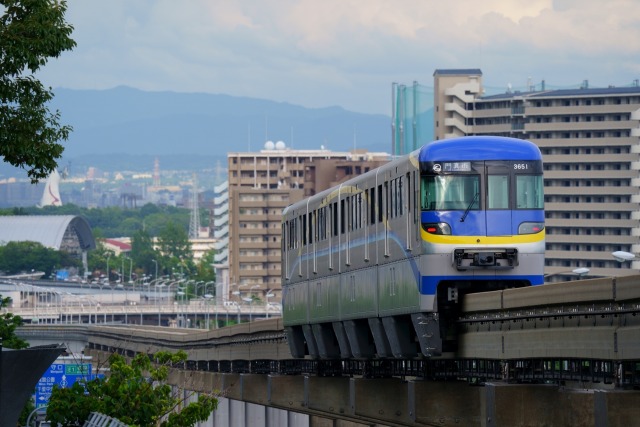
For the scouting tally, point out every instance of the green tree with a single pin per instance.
(142, 251)
(8, 325)
(31, 32)
(97, 258)
(135, 393)
(18, 257)
(174, 245)
(205, 269)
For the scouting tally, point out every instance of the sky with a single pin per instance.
(344, 52)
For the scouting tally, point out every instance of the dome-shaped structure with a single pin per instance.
(68, 233)
(280, 145)
(269, 145)
(62, 232)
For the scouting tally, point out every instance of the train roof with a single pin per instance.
(351, 181)
(480, 148)
(453, 149)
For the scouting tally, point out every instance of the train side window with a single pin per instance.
(379, 203)
(315, 226)
(352, 217)
(304, 229)
(390, 199)
(321, 227)
(334, 219)
(400, 198)
(372, 205)
(386, 199)
(498, 192)
(359, 217)
(408, 192)
(360, 210)
(349, 213)
(342, 216)
(285, 238)
(293, 234)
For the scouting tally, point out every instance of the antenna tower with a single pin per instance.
(194, 223)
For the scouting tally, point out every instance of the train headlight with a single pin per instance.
(437, 228)
(530, 227)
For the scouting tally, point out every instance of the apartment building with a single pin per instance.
(261, 184)
(590, 141)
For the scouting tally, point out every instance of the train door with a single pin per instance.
(498, 206)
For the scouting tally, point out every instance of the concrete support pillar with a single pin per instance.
(235, 413)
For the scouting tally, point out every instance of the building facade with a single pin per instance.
(261, 184)
(590, 142)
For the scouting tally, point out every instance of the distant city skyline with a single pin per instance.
(319, 54)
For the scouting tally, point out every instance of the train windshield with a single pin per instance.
(450, 192)
(529, 190)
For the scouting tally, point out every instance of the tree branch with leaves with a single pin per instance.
(135, 392)
(31, 32)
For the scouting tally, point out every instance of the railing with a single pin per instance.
(200, 308)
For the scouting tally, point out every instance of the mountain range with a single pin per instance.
(126, 129)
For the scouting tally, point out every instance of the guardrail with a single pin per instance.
(92, 313)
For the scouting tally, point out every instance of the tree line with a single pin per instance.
(159, 244)
(115, 221)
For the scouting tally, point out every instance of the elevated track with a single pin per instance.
(585, 331)
(559, 354)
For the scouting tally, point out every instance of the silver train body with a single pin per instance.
(363, 278)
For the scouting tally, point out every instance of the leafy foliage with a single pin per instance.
(174, 245)
(142, 250)
(17, 257)
(169, 224)
(135, 393)
(205, 270)
(8, 325)
(115, 221)
(31, 32)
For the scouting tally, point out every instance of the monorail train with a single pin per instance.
(378, 266)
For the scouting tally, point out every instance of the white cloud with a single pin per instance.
(344, 52)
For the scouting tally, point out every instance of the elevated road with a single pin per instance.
(558, 354)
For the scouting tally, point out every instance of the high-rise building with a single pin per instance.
(261, 185)
(590, 142)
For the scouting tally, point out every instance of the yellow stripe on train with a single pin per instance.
(482, 240)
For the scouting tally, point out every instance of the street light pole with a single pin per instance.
(267, 296)
(108, 256)
(156, 263)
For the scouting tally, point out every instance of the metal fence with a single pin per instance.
(97, 419)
